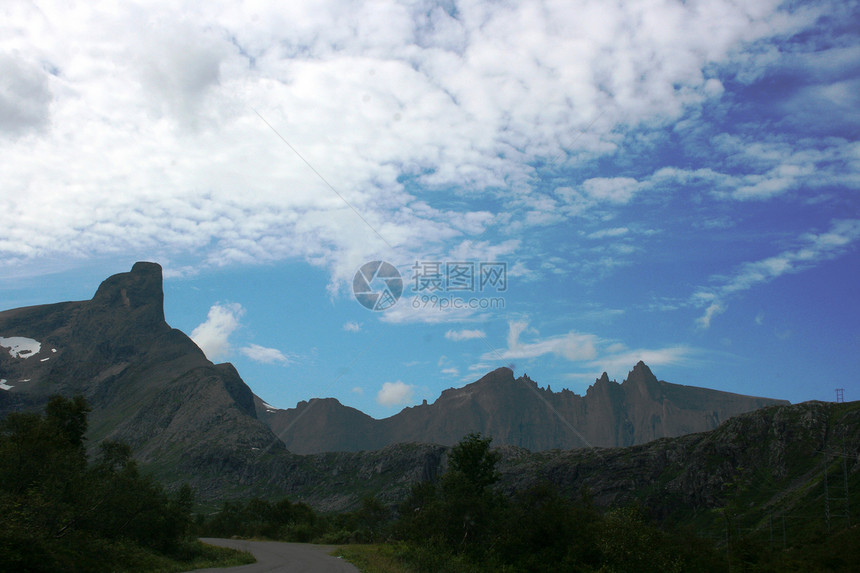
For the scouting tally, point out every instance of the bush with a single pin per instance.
(58, 512)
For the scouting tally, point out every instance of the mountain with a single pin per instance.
(189, 420)
(517, 412)
(148, 384)
(186, 419)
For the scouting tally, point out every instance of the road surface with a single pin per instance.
(274, 556)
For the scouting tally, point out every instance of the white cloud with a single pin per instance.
(613, 232)
(213, 335)
(25, 95)
(429, 309)
(265, 355)
(458, 335)
(352, 326)
(812, 249)
(618, 363)
(767, 167)
(395, 394)
(357, 390)
(571, 346)
(589, 350)
(451, 371)
(369, 94)
(714, 309)
(611, 189)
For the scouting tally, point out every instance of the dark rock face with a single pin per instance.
(517, 412)
(148, 384)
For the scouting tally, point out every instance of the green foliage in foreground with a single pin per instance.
(297, 522)
(260, 519)
(383, 558)
(60, 512)
(462, 523)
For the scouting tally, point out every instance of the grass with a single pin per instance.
(86, 554)
(207, 556)
(399, 557)
(373, 558)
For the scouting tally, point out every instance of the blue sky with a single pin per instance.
(662, 181)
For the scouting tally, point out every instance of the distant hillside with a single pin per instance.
(518, 412)
(790, 473)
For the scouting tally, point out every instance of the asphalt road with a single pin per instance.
(274, 556)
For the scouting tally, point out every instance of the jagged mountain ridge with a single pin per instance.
(189, 420)
(518, 412)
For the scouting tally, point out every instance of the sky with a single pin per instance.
(564, 188)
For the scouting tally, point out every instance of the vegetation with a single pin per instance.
(463, 523)
(60, 512)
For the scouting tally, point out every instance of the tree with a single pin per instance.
(472, 461)
(546, 531)
(460, 512)
(68, 418)
(57, 512)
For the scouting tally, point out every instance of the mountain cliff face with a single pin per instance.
(148, 384)
(518, 412)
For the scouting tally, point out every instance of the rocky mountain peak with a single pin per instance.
(138, 291)
(641, 373)
(503, 374)
(641, 381)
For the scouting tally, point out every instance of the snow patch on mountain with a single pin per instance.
(21, 347)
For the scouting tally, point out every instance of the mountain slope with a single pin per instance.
(518, 412)
(755, 470)
(148, 384)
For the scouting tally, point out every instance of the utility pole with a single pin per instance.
(771, 530)
(784, 540)
(845, 477)
(826, 496)
(840, 395)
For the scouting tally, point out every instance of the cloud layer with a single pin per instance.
(146, 138)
